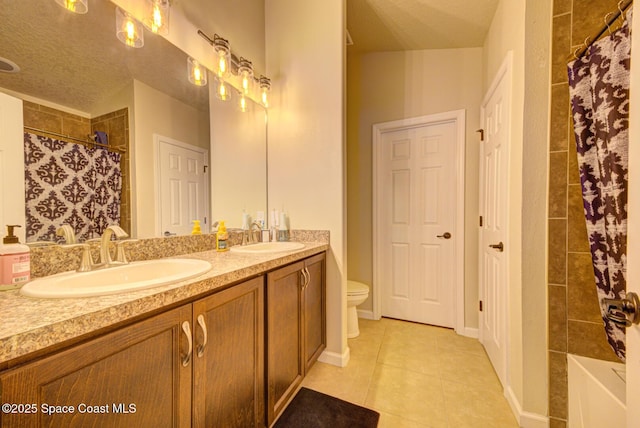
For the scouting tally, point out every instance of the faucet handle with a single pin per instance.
(86, 262)
(121, 256)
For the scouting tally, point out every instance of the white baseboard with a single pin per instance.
(525, 419)
(366, 314)
(469, 332)
(335, 359)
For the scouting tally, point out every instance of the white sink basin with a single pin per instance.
(268, 247)
(118, 279)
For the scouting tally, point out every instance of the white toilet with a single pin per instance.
(357, 293)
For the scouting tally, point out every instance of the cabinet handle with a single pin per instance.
(203, 326)
(187, 332)
(308, 276)
(305, 279)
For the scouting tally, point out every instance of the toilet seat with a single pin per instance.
(355, 288)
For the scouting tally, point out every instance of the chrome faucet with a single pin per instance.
(105, 254)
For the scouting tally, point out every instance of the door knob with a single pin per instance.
(445, 235)
(623, 312)
(499, 246)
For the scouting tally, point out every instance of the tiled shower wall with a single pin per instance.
(115, 124)
(575, 325)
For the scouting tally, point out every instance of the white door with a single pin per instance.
(416, 205)
(493, 229)
(633, 248)
(12, 209)
(182, 187)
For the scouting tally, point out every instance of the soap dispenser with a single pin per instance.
(222, 237)
(196, 228)
(15, 261)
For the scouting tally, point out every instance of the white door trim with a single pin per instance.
(378, 129)
(157, 140)
(505, 72)
(633, 235)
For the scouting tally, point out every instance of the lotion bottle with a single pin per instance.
(15, 261)
(222, 237)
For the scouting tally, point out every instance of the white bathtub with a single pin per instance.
(597, 393)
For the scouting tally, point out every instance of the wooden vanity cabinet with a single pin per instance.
(229, 370)
(296, 332)
(131, 377)
(199, 365)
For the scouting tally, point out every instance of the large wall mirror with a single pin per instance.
(73, 71)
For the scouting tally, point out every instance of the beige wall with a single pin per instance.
(306, 62)
(526, 389)
(389, 86)
(157, 113)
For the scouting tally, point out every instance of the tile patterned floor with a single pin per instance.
(417, 376)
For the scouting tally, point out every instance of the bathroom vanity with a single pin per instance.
(228, 348)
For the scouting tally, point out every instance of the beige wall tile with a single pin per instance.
(559, 120)
(561, 6)
(558, 318)
(557, 273)
(577, 227)
(589, 340)
(561, 39)
(557, 423)
(558, 184)
(558, 385)
(588, 16)
(582, 297)
(574, 170)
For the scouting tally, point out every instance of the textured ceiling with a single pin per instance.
(385, 25)
(77, 61)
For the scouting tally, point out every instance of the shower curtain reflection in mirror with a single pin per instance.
(71, 184)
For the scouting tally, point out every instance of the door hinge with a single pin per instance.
(205, 168)
(481, 221)
(481, 131)
(480, 305)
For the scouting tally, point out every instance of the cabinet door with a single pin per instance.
(132, 377)
(315, 334)
(284, 336)
(229, 357)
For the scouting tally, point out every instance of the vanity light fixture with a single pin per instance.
(197, 73)
(245, 71)
(157, 16)
(75, 6)
(128, 30)
(265, 88)
(223, 55)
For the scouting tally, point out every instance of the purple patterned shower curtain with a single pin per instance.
(69, 183)
(599, 91)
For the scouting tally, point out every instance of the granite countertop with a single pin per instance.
(33, 324)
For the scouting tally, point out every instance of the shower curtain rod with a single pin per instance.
(69, 137)
(623, 5)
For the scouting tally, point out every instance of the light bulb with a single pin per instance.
(265, 87)
(223, 52)
(197, 73)
(157, 16)
(75, 6)
(245, 71)
(223, 92)
(128, 30)
(242, 104)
